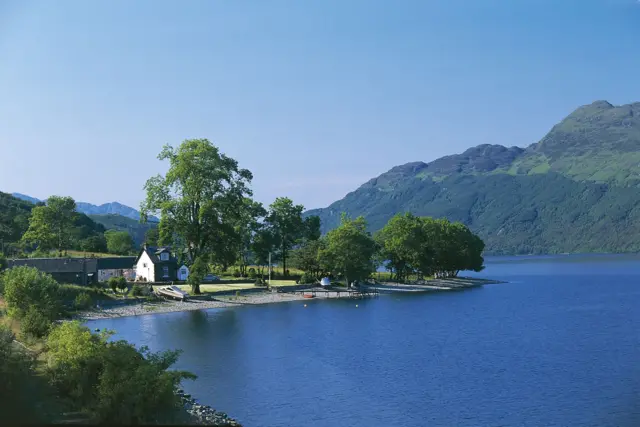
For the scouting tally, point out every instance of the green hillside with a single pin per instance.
(574, 191)
(136, 229)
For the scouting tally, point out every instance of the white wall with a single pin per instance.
(104, 275)
(183, 276)
(142, 271)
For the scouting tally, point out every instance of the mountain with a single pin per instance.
(576, 190)
(122, 223)
(113, 208)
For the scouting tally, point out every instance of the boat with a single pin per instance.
(308, 296)
(172, 292)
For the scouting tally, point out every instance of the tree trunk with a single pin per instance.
(195, 289)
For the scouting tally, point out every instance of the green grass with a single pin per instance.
(78, 254)
(212, 289)
(283, 282)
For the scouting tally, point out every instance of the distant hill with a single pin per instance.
(122, 223)
(113, 208)
(574, 191)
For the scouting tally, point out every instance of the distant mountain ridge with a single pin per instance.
(576, 190)
(113, 208)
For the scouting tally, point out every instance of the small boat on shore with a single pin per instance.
(172, 292)
(308, 296)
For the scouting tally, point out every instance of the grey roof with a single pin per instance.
(57, 265)
(116, 263)
(154, 252)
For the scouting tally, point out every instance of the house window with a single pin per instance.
(165, 271)
(164, 256)
(144, 265)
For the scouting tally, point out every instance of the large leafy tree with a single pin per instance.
(50, 226)
(307, 257)
(402, 245)
(350, 249)
(287, 226)
(262, 244)
(198, 200)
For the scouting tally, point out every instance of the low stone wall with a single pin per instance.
(203, 414)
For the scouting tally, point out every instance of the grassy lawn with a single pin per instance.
(81, 254)
(283, 282)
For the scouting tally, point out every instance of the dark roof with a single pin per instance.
(116, 263)
(57, 265)
(154, 253)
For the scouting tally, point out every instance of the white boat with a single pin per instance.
(172, 292)
(325, 282)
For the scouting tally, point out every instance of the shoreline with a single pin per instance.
(268, 297)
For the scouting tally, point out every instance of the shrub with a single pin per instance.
(138, 291)
(35, 324)
(116, 283)
(236, 273)
(259, 282)
(26, 288)
(83, 301)
(252, 273)
(307, 278)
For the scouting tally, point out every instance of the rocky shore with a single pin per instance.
(203, 414)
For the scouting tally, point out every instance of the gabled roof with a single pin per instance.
(58, 265)
(116, 263)
(154, 254)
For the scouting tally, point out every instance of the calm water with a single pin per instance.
(558, 345)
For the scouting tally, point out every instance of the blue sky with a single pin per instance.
(315, 97)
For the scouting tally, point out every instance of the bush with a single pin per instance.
(307, 278)
(26, 288)
(35, 324)
(259, 282)
(83, 301)
(138, 291)
(236, 273)
(252, 273)
(116, 283)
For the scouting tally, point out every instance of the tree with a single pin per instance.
(198, 200)
(312, 228)
(119, 242)
(97, 243)
(404, 246)
(152, 236)
(50, 226)
(263, 243)
(285, 222)
(307, 257)
(350, 249)
(247, 226)
(26, 288)
(198, 270)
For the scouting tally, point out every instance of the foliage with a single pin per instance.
(34, 324)
(26, 288)
(403, 244)
(196, 274)
(312, 228)
(152, 236)
(96, 243)
(259, 282)
(83, 301)
(118, 283)
(14, 217)
(50, 226)
(3, 265)
(263, 243)
(140, 233)
(251, 273)
(111, 380)
(307, 259)
(246, 226)
(349, 250)
(119, 242)
(20, 390)
(138, 291)
(199, 200)
(284, 220)
(307, 278)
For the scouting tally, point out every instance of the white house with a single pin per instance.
(183, 273)
(155, 265)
